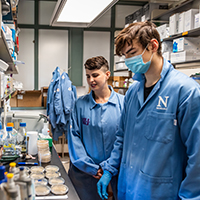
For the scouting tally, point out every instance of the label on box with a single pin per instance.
(19, 96)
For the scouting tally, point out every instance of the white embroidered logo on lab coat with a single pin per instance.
(162, 104)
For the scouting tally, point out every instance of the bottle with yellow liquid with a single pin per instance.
(9, 148)
(22, 137)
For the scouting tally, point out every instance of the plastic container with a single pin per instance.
(1, 136)
(22, 137)
(50, 175)
(13, 169)
(51, 168)
(43, 145)
(56, 181)
(28, 183)
(37, 169)
(9, 143)
(2, 183)
(13, 190)
(42, 181)
(59, 189)
(37, 176)
(44, 156)
(42, 190)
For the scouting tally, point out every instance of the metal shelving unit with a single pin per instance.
(177, 8)
(5, 55)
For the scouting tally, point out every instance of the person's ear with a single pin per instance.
(154, 45)
(107, 75)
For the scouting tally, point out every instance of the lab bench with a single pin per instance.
(55, 160)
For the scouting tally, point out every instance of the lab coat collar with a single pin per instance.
(112, 99)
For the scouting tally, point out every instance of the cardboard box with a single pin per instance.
(186, 43)
(29, 98)
(167, 46)
(189, 19)
(167, 56)
(181, 22)
(149, 7)
(196, 21)
(119, 81)
(44, 91)
(184, 56)
(163, 31)
(173, 24)
(13, 100)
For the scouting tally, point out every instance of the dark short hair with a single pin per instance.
(143, 32)
(97, 62)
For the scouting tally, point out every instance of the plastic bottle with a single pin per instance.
(9, 143)
(14, 132)
(12, 189)
(45, 131)
(1, 136)
(3, 180)
(27, 190)
(22, 137)
(13, 169)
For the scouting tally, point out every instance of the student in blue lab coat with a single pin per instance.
(158, 139)
(95, 122)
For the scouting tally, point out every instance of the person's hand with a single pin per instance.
(103, 184)
(99, 174)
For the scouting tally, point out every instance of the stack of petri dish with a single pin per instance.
(44, 155)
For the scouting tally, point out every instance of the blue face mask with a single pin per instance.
(136, 64)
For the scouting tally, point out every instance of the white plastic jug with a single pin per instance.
(32, 137)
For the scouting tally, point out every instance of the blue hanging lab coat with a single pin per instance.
(55, 76)
(91, 141)
(158, 142)
(60, 102)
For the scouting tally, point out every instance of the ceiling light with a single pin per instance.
(79, 13)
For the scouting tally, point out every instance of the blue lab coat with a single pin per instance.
(55, 76)
(158, 142)
(61, 98)
(91, 141)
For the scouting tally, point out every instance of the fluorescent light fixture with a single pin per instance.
(79, 13)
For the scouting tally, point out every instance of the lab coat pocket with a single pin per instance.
(159, 127)
(155, 187)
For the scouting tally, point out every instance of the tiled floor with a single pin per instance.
(65, 161)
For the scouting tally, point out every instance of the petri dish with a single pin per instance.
(56, 181)
(37, 175)
(42, 181)
(27, 169)
(37, 169)
(52, 174)
(59, 189)
(52, 168)
(42, 190)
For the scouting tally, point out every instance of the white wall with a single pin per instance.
(95, 44)
(26, 54)
(53, 52)
(25, 12)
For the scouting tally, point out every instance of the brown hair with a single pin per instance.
(97, 62)
(143, 32)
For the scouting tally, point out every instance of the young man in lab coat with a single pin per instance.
(157, 150)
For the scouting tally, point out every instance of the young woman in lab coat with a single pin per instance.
(94, 124)
(158, 142)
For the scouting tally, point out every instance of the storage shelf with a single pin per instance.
(179, 8)
(121, 88)
(7, 97)
(192, 33)
(5, 55)
(186, 62)
(122, 70)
